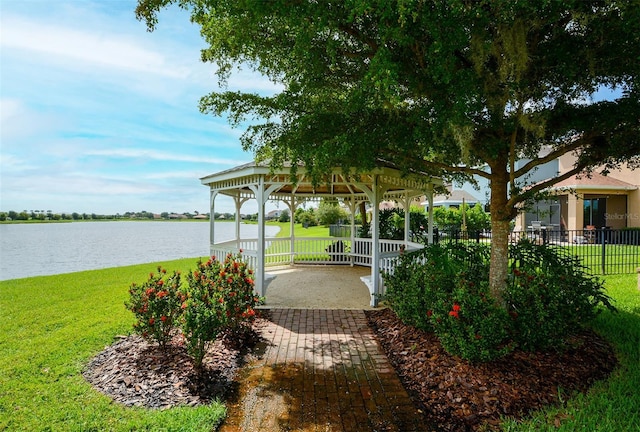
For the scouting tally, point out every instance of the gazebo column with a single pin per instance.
(292, 223)
(375, 241)
(212, 219)
(375, 195)
(262, 195)
(429, 194)
(406, 204)
(352, 204)
(239, 201)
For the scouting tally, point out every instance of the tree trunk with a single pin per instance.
(500, 217)
(499, 258)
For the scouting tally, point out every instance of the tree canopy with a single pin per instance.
(449, 87)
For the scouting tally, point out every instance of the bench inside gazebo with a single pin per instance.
(261, 183)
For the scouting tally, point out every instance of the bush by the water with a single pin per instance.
(218, 297)
(444, 289)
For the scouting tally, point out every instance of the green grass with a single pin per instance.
(300, 231)
(611, 405)
(50, 328)
(316, 250)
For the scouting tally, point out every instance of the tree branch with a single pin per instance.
(450, 168)
(356, 34)
(545, 184)
(552, 156)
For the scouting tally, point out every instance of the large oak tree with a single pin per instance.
(454, 88)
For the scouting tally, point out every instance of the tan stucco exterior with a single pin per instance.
(620, 189)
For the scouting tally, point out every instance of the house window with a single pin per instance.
(547, 212)
(594, 211)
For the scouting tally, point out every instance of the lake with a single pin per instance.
(53, 248)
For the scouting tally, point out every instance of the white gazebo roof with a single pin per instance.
(337, 184)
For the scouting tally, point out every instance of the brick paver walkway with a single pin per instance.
(322, 370)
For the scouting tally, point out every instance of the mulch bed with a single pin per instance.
(457, 395)
(134, 372)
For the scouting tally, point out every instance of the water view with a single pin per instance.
(45, 249)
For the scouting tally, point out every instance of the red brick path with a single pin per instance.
(322, 370)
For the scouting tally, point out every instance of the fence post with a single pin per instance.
(604, 242)
(638, 271)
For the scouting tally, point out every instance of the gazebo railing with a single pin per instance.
(315, 250)
(320, 250)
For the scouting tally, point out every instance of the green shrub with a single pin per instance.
(236, 282)
(330, 213)
(450, 218)
(204, 316)
(219, 298)
(469, 323)
(306, 218)
(156, 306)
(391, 225)
(550, 295)
(410, 290)
(444, 289)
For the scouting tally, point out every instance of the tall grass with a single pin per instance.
(50, 327)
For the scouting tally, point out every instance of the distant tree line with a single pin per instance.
(49, 215)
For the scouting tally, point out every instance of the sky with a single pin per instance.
(98, 115)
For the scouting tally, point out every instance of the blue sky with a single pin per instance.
(99, 115)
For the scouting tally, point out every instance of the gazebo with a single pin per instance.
(260, 182)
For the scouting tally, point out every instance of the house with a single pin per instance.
(598, 201)
(274, 214)
(454, 199)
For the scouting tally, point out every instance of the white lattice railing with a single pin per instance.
(317, 250)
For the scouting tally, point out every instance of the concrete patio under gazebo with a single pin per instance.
(260, 182)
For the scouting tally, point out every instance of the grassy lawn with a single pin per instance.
(299, 230)
(52, 326)
(316, 249)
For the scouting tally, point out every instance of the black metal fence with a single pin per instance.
(340, 230)
(602, 251)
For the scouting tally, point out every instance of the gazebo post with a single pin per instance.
(212, 219)
(259, 193)
(351, 202)
(238, 203)
(292, 209)
(375, 241)
(430, 214)
(407, 215)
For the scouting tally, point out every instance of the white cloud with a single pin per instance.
(151, 154)
(18, 121)
(85, 47)
(13, 164)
